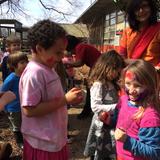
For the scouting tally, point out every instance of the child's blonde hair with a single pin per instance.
(12, 39)
(14, 59)
(146, 75)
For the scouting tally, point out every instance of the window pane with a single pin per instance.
(113, 15)
(119, 13)
(106, 35)
(106, 29)
(106, 41)
(120, 18)
(112, 21)
(112, 34)
(107, 23)
(111, 41)
(107, 17)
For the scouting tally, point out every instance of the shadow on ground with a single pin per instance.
(79, 130)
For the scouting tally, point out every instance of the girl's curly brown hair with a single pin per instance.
(107, 68)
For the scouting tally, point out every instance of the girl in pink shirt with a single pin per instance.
(44, 114)
(137, 131)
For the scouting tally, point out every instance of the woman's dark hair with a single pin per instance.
(45, 33)
(131, 8)
(72, 42)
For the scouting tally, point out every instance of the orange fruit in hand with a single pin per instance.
(103, 116)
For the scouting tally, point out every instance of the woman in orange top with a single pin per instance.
(141, 40)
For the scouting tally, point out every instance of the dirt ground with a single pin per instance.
(78, 129)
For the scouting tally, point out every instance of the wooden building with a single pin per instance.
(10, 26)
(14, 27)
(105, 22)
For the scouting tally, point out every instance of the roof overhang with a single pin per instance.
(97, 9)
(79, 30)
(9, 21)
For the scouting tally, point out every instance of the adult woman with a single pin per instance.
(85, 54)
(141, 40)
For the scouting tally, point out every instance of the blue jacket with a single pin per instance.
(11, 83)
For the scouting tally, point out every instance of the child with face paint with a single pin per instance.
(104, 97)
(43, 102)
(137, 131)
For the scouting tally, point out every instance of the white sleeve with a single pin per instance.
(97, 99)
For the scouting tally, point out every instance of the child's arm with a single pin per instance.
(7, 84)
(148, 144)
(120, 135)
(97, 99)
(74, 96)
(5, 98)
(111, 120)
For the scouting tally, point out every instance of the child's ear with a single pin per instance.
(39, 48)
(12, 68)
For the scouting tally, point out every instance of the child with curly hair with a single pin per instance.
(43, 102)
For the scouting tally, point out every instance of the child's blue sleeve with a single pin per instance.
(148, 144)
(7, 84)
(114, 117)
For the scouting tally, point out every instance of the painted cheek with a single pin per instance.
(141, 95)
(140, 90)
(130, 90)
(126, 90)
(50, 60)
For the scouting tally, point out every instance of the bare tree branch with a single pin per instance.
(63, 15)
(13, 8)
(51, 8)
(2, 1)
